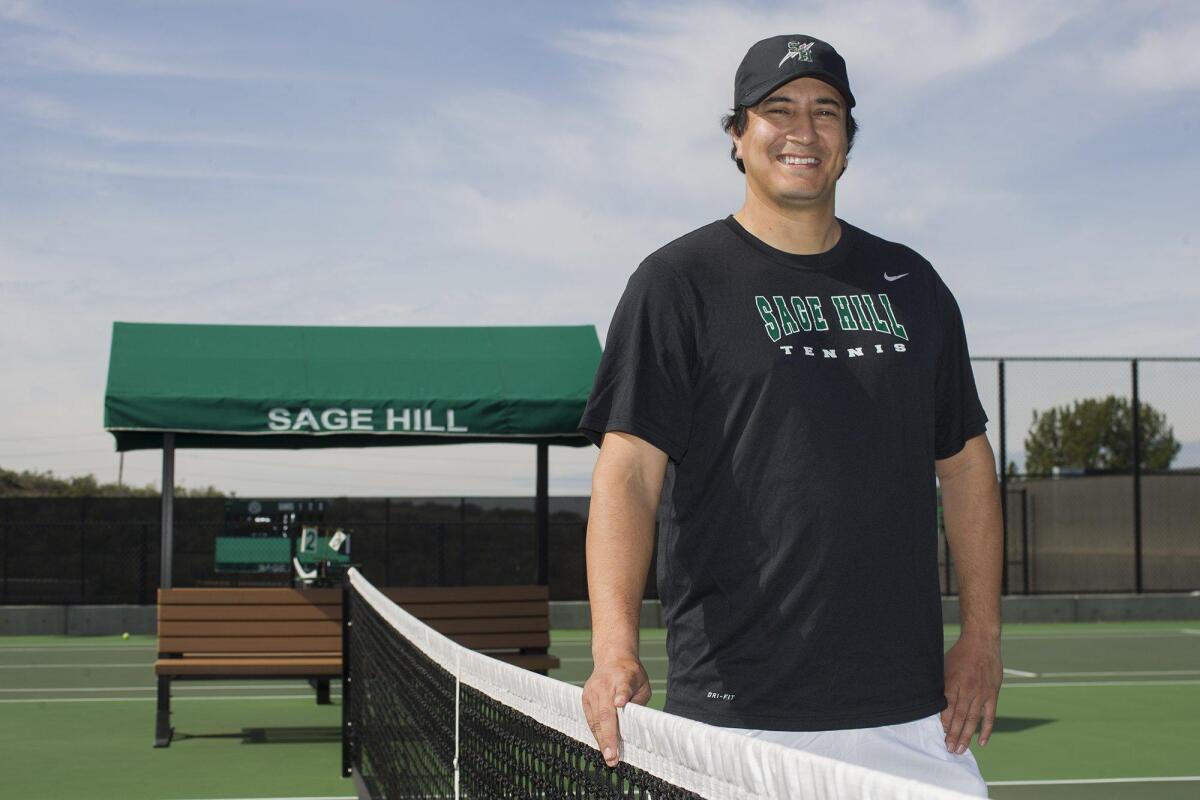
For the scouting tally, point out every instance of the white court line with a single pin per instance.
(151, 699)
(174, 687)
(1045, 685)
(139, 665)
(1019, 673)
(1177, 634)
(1118, 674)
(1016, 673)
(589, 660)
(1098, 683)
(331, 797)
(1171, 633)
(59, 647)
(1169, 779)
(652, 683)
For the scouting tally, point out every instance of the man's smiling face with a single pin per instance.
(794, 145)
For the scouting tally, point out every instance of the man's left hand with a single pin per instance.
(973, 677)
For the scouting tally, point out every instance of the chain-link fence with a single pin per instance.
(1101, 488)
(57, 551)
(1101, 472)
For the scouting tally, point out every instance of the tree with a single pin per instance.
(28, 483)
(1097, 434)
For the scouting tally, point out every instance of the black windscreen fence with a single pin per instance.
(56, 551)
(1101, 482)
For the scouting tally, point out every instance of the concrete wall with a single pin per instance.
(1090, 608)
(578, 614)
(1043, 608)
(33, 620)
(1080, 533)
(76, 620)
(107, 620)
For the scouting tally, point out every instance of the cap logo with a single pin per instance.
(799, 51)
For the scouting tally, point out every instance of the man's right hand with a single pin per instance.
(611, 686)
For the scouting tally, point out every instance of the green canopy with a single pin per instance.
(259, 386)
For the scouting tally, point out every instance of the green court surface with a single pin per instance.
(1088, 710)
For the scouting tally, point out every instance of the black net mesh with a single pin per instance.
(401, 716)
(401, 712)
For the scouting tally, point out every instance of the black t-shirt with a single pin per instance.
(801, 401)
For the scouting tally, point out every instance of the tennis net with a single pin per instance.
(427, 718)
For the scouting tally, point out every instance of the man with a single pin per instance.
(790, 385)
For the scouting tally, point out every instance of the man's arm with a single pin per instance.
(971, 504)
(626, 485)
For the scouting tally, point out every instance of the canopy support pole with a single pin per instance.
(168, 508)
(542, 513)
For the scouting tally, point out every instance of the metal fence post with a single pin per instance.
(168, 511)
(440, 532)
(583, 590)
(3, 562)
(143, 566)
(387, 541)
(1025, 580)
(83, 550)
(1003, 478)
(1137, 481)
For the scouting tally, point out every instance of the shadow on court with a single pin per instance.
(1018, 724)
(294, 735)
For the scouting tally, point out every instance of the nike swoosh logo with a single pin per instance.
(887, 277)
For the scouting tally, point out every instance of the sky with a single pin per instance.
(452, 163)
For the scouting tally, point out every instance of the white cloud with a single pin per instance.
(25, 12)
(42, 41)
(40, 107)
(531, 205)
(160, 171)
(48, 111)
(1160, 60)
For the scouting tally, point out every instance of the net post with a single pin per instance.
(1003, 477)
(1136, 415)
(4, 557)
(347, 733)
(83, 551)
(457, 723)
(1025, 557)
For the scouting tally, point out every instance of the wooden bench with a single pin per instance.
(214, 634)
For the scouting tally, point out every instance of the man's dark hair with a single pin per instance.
(735, 122)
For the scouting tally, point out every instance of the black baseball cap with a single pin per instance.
(773, 62)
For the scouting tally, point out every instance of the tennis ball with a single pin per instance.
(125, 635)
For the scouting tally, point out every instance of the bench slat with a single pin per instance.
(273, 595)
(450, 627)
(220, 667)
(217, 613)
(529, 661)
(465, 594)
(304, 666)
(482, 641)
(331, 644)
(260, 644)
(249, 627)
(261, 596)
(431, 611)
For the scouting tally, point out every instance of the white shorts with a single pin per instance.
(915, 750)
